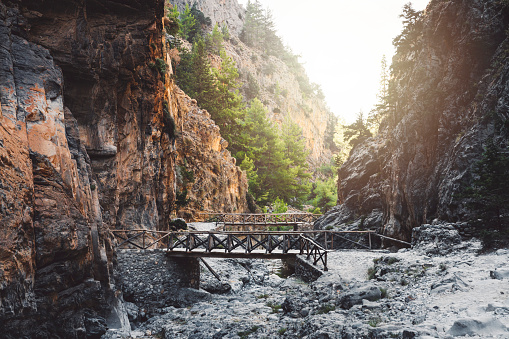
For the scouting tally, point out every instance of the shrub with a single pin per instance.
(371, 273)
(326, 308)
(178, 224)
(275, 307)
(160, 65)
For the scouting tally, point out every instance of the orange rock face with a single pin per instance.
(88, 143)
(219, 185)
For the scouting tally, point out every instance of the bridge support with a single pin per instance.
(149, 278)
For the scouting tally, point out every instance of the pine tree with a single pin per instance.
(214, 41)
(173, 25)
(412, 25)
(297, 178)
(381, 109)
(357, 132)
(229, 106)
(252, 31)
(188, 23)
(489, 192)
(205, 83)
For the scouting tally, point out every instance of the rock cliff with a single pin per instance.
(222, 12)
(450, 88)
(216, 183)
(88, 128)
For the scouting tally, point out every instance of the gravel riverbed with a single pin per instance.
(441, 288)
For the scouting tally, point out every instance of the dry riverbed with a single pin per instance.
(439, 289)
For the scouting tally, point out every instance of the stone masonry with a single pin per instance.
(149, 278)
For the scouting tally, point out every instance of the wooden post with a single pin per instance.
(369, 237)
(143, 241)
(325, 237)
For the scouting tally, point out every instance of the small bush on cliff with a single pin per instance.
(160, 65)
(172, 20)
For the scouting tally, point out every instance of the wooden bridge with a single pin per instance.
(263, 221)
(253, 243)
(265, 245)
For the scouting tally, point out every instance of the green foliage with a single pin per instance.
(412, 26)
(161, 66)
(281, 331)
(252, 88)
(374, 322)
(246, 333)
(325, 308)
(188, 24)
(177, 225)
(275, 162)
(186, 175)
(354, 134)
(225, 31)
(181, 199)
(381, 109)
(371, 273)
(170, 128)
(488, 195)
(323, 195)
(172, 25)
(280, 206)
(275, 307)
(191, 22)
(214, 41)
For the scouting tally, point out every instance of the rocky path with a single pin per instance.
(414, 293)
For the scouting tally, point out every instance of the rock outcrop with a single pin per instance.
(223, 12)
(88, 123)
(205, 168)
(449, 99)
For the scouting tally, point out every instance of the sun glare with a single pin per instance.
(341, 44)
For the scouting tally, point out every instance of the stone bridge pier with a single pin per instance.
(150, 279)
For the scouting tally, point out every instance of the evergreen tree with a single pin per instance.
(214, 41)
(173, 25)
(489, 193)
(357, 132)
(252, 31)
(381, 109)
(342, 143)
(297, 176)
(229, 105)
(412, 25)
(204, 83)
(188, 23)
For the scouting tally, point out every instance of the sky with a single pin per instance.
(341, 44)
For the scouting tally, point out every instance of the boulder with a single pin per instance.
(479, 327)
(356, 295)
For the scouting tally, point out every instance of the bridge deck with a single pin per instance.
(254, 254)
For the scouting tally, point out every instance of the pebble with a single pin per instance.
(254, 305)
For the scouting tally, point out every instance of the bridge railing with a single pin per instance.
(262, 218)
(246, 242)
(314, 243)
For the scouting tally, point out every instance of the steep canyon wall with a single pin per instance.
(88, 130)
(449, 98)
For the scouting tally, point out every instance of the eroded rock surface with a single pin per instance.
(449, 99)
